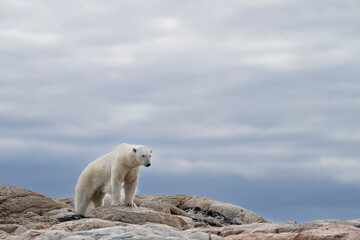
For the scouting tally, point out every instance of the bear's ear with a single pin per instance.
(134, 150)
(151, 151)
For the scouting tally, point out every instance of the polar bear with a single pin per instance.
(106, 175)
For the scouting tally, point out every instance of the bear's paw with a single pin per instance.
(130, 204)
(115, 204)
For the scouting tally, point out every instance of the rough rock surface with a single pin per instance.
(21, 209)
(85, 224)
(138, 215)
(322, 230)
(26, 214)
(15, 200)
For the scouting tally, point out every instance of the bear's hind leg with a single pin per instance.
(81, 204)
(97, 198)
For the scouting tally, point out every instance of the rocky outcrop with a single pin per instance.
(146, 231)
(323, 233)
(322, 230)
(21, 209)
(209, 210)
(15, 200)
(26, 214)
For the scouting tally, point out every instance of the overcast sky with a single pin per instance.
(252, 102)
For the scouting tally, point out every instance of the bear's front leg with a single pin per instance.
(115, 191)
(130, 189)
(130, 185)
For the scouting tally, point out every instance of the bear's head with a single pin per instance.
(143, 155)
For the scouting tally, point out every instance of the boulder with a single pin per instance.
(28, 209)
(14, 200)
(208, 210)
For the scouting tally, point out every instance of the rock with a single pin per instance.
(4, 235)
(31, 210)
(153, 202)
(248, 228)
(202, 211)
(67, 200)
(208, 210)
(322, 233)
(160, 207)
(317, 230)
(146, 231)
(330, 233)
(85, 224)
(264, 236)
(235, 214)
(174, 200)
(204, 236)
(320, 223)
(138, 215)
(27, 215)
(55, 235)
(20, 230)
(18, 200)
(9, 228)
(12, 229)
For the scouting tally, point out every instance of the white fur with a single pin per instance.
(106, 175)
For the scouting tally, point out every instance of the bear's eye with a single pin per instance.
(143, 155)
(149, 155)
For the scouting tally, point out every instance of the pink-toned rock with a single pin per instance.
(318, 230)
(330, 233)
(263, 236)
(321, 223)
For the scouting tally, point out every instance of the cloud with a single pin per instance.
(339, 169)
(165, 24)
(251, 98)
(257, 89)
(29, 37)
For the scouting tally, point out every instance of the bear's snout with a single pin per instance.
(147, 164)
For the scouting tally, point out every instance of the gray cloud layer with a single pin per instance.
(253, 89)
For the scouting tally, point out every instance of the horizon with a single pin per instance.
(253, 103)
